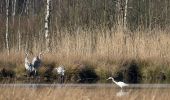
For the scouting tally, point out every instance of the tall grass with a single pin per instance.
(114, 44)
(102, 49)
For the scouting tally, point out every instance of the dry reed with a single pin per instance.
(65, 93)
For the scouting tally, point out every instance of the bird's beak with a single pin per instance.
(107, 79)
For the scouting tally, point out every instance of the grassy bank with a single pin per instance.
(105, 52)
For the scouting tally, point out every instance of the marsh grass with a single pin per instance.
(103, 49)
(78, 93)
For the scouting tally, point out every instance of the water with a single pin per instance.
(131, 86)
(85, 91)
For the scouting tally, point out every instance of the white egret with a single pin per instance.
(120, 84)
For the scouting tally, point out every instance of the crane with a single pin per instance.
(28, 66)
(36, 62)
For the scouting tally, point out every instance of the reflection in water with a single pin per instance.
(122, 93)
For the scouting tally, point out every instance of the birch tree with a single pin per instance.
(47, 25)
(119, 15)
(150, 15)
(19, 34)
(13, 11)
(125, 15)
(7, 26)
(166, 12)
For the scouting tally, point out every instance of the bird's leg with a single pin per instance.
(121, 90)
(35, 73)
(57, 79)
(62, 79)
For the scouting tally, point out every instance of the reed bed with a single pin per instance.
(102, 49)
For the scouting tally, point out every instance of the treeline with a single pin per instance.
(27, 19)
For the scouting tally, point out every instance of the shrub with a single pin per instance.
(82, 73)
(154, 73)
(129, 72)
(7, 73)
(46, 71)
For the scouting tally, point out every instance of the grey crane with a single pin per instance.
(28, 66)
(37, 62)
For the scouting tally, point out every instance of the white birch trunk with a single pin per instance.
(14, 10)
(7, 26)
(19, 34)
(27, 7)
(47, 25)
(125, 15)
(150, 16)
(166, 12)
(119, 13)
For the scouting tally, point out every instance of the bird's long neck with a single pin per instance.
(26, 59)
(114, 81)
(39, 56)
(26, 56)
(56, 69)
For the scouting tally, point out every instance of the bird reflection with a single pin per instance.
(122, 93)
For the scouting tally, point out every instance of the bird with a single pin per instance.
(122, 93)
(28, 66)
(60, 71)
(120, 84)
(36, 62)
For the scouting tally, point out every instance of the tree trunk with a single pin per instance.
(7, 26)
(13, 11)
(119, 15)
(19, 35)
(125, 15)
(150, 17)
(47, 25)
(166, 12)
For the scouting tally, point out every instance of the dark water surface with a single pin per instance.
(131, 86)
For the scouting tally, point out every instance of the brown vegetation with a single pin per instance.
(62, 93)
(105, 52)
(89, 32)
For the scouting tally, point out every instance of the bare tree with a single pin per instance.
(125, 15)
(166, 12)
(19, 34)
(150, 15)
(13, 10)
(7, 26)
(119, 13)
(47, 25)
